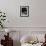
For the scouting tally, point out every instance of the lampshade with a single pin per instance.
(7, 30)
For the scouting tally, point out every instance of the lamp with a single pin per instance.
(7, 31)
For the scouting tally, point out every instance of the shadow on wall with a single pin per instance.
(16, 43)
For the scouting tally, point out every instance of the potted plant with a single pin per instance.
(2, 19)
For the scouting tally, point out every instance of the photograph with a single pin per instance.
(24, 11)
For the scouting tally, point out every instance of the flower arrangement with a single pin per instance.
(2, 19)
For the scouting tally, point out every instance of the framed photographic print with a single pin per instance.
(24, 11)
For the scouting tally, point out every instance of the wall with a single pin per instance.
(37, 13)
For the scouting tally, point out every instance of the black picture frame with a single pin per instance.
(24, 11)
